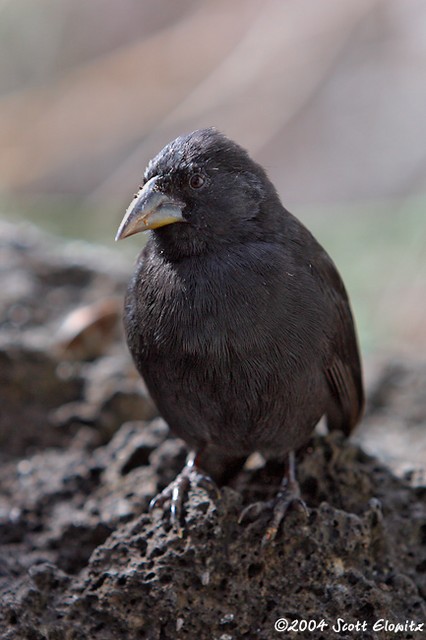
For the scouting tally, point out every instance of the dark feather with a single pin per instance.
(237, 318)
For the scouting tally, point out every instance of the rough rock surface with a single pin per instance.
(83, 453)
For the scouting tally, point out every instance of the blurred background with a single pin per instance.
(329, 96)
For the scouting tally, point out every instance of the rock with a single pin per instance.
(356, 557)
(83, 454)
(87, 332)
(395, 421)
(31, 387)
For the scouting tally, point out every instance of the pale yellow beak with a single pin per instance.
(150, 209)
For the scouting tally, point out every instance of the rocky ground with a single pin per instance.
(83, 452)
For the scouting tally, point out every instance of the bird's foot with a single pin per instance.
(288, 496)
(254, 510)
(176, 492)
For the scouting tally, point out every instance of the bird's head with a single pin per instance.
(200, 190)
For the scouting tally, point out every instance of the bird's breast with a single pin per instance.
(220, 306)
(201, 314)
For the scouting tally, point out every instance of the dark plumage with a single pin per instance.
(236, 317)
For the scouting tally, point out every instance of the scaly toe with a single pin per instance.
(283, 503)
(253, 511)
(177, 491)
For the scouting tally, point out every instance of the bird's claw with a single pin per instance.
(175, 494)
(177, 491)
(254, 510)
(288, 496)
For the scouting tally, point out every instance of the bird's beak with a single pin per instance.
(150, 209)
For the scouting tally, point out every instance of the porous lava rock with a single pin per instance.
(83, 452)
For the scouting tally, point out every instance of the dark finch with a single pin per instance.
(236, 317)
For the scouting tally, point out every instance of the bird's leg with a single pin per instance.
(176, 491)
(288, 495)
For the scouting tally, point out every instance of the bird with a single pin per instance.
(236, 317)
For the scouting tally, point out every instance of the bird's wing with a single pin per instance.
(343, 368)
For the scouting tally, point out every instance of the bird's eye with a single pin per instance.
(196, 181)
